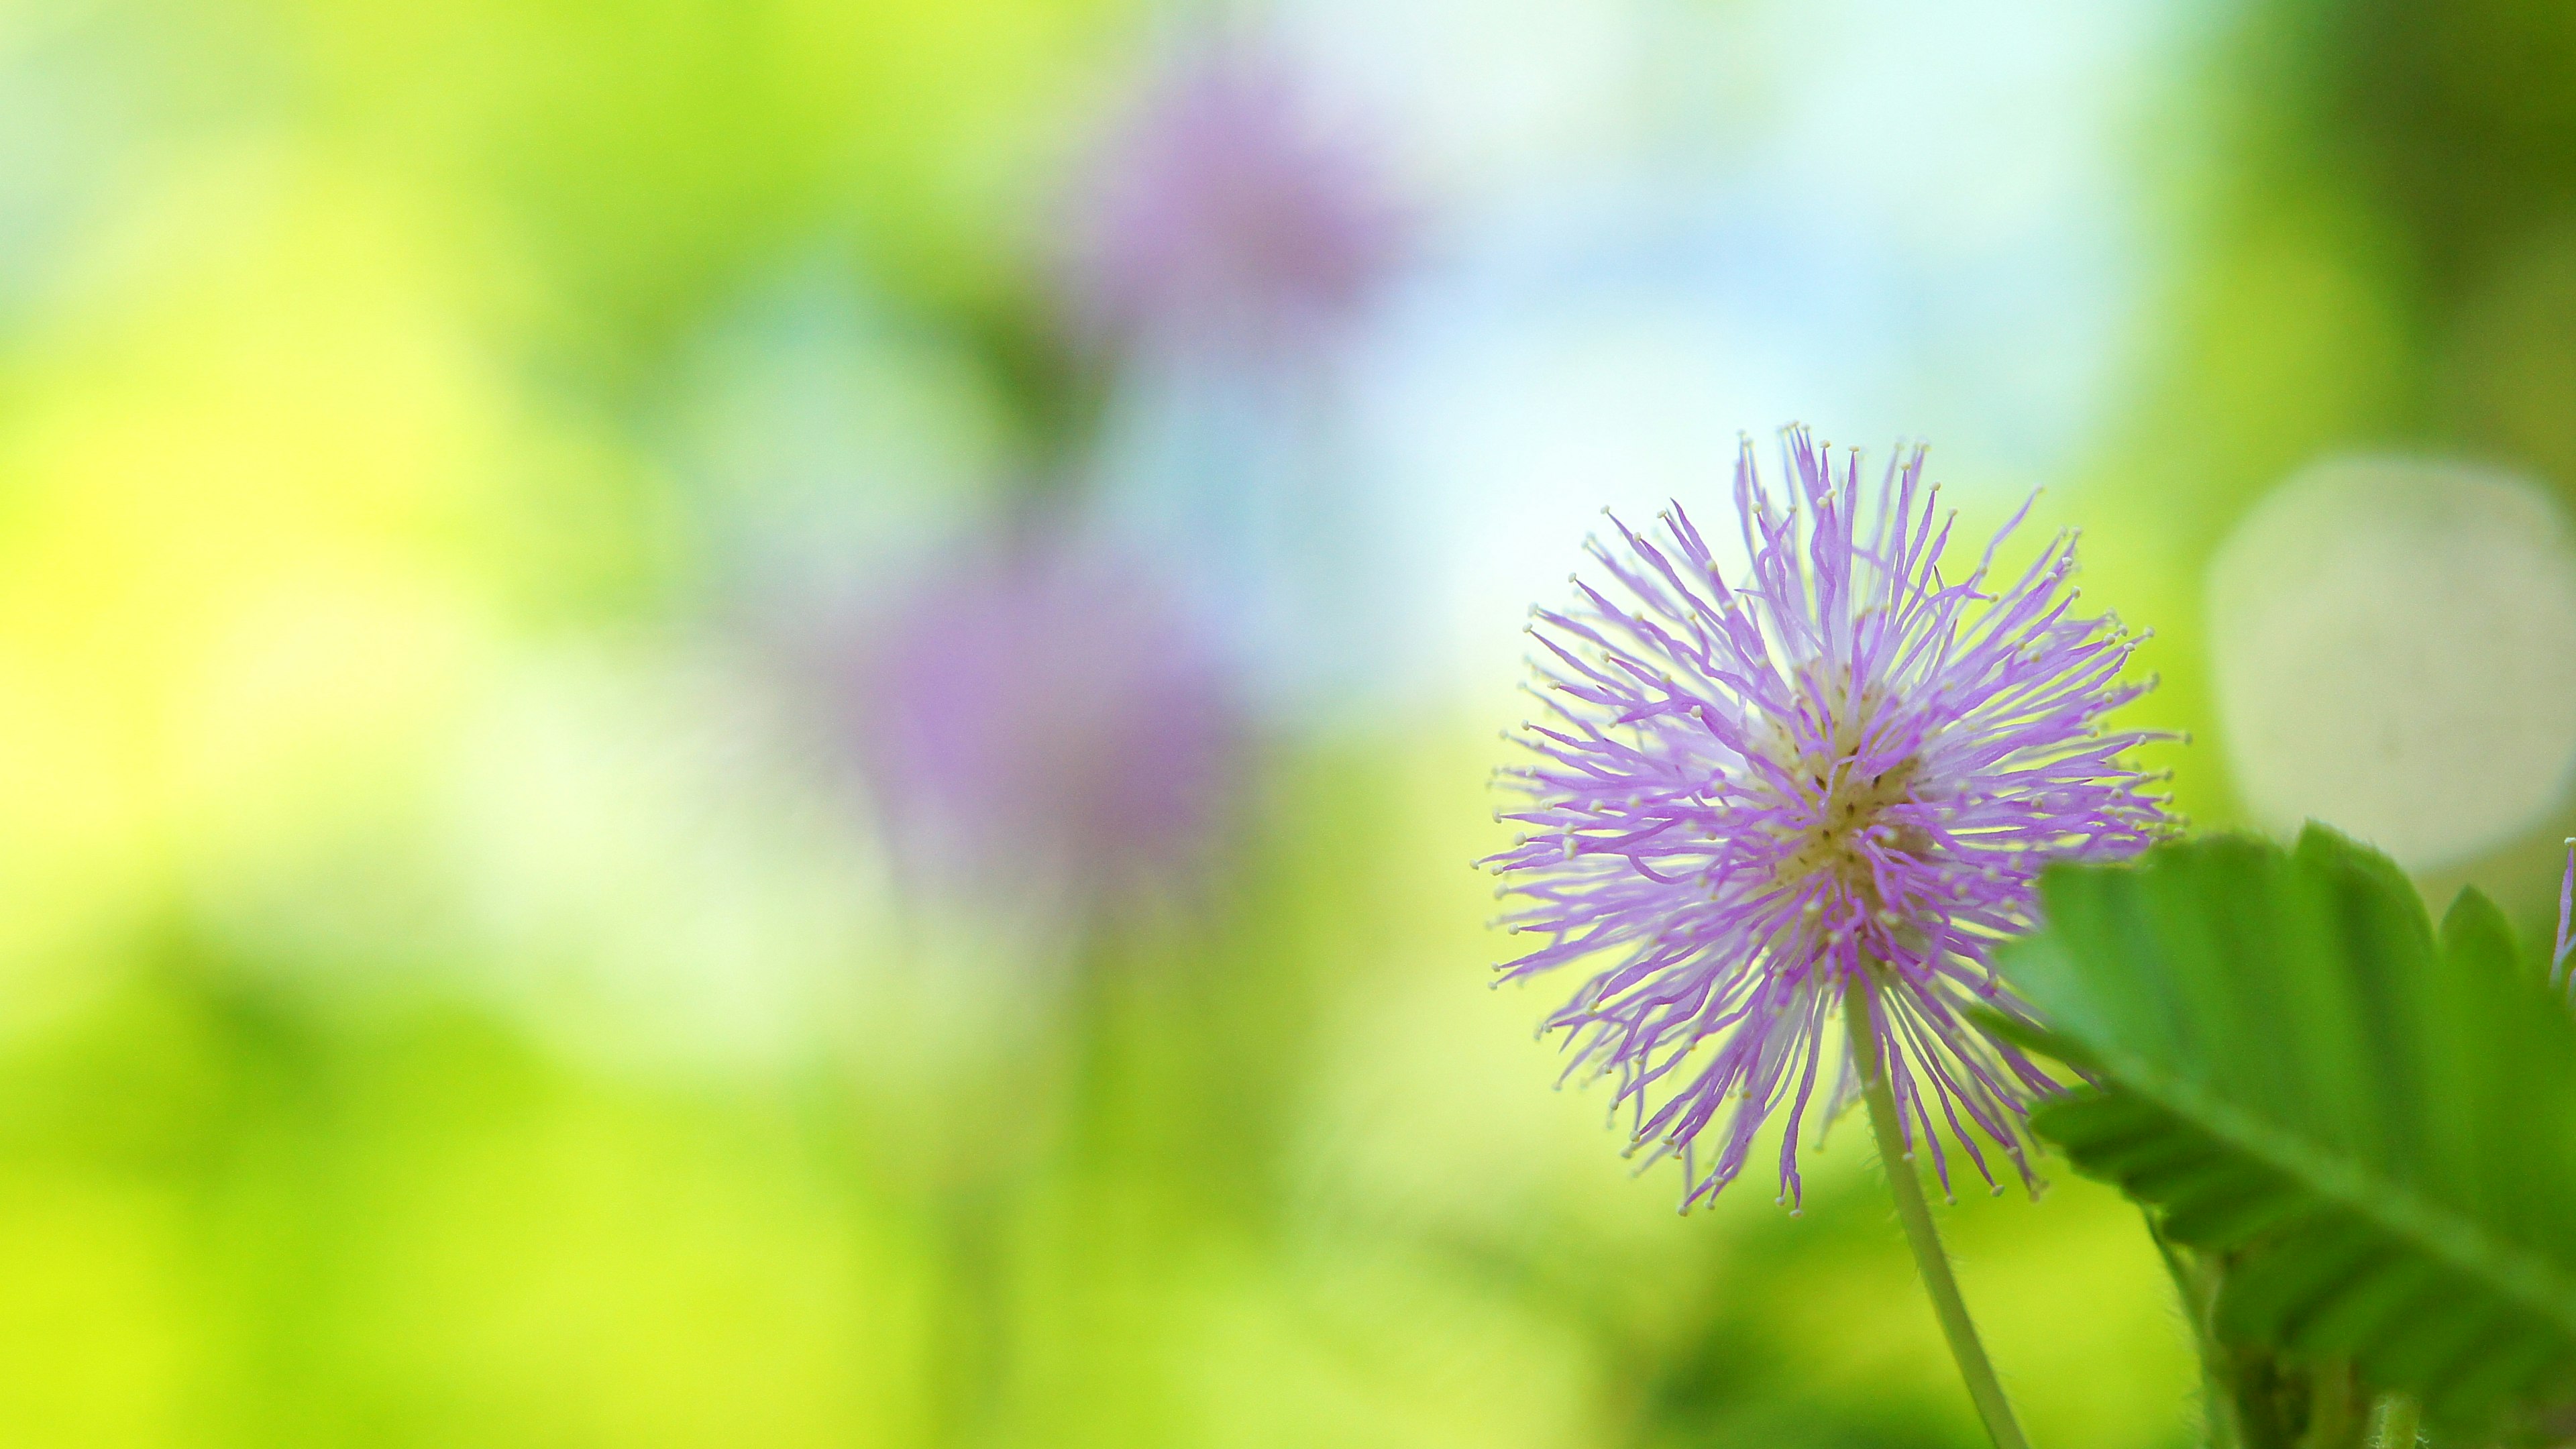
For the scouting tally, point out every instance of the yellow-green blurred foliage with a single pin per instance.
(436, 1008)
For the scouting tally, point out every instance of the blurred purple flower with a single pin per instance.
(1750, 795)
(1040, 716)
(1224, 210)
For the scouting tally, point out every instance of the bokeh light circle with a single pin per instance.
(2393, 645)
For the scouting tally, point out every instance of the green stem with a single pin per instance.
(2193, 1285)
(1916, 1214)
(2397, 1421)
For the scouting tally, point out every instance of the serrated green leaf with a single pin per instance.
(2375, 1125)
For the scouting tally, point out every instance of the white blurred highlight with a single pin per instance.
(2393, 644)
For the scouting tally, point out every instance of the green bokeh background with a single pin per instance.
(371, 800)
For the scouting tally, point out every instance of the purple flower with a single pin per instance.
(1040, 718)
(2566, 910)
(1225, 210)
(1748, 795)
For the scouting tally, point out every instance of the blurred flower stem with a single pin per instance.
(972, 1317)
(1916, 1214)
(1040, 1122)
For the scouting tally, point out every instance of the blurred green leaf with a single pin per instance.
(2373, 1128)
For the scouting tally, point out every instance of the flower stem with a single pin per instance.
(1916, 1214)
(2397, 1415)
(2196, 1285)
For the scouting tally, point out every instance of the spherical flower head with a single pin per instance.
(1225, 210)
(1040, 719)
(1839, 771)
